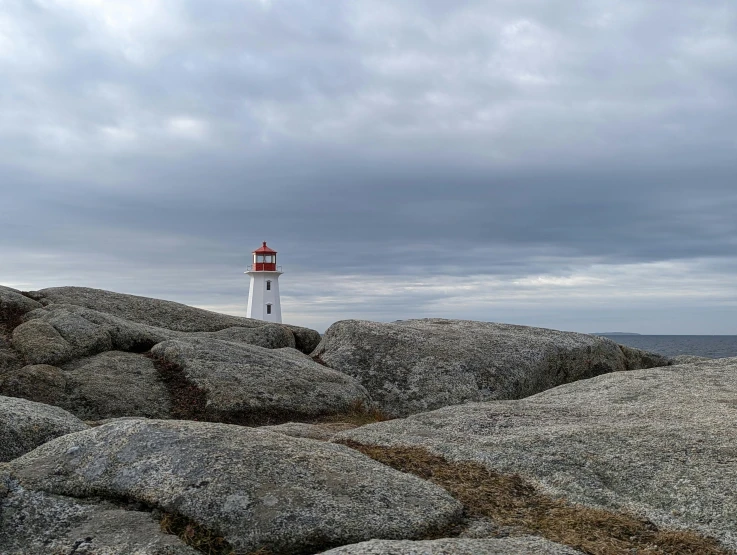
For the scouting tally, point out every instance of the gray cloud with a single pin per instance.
(149, 146)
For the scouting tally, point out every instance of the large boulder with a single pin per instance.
(417, 365)
(24, 425)
(42, 383)
(660, 443)
(246, 384)
(37, 523)
(115, 384)
(522, 545)
(257, 489)
(167, 314)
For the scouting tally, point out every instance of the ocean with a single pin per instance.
(712, 346)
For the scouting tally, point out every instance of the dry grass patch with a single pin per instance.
(358, 414)
(195, 536)
(511, 501)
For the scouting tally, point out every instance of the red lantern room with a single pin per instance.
(264, 259)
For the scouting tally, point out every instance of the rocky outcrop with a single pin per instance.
(524, 545)
(167, 315)
(61, 333)
(256, 489)
(251, 385)
(37, 523)
(115, 384)
(659, 443)
(418, 365)
(24, 425)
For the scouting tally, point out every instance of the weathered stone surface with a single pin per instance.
(690, 359)
(13, 304)
(170, 315)
(115, 384)
(523, 545)
(107, 385)
(9, 359)
(143, 310)
(270, 336)
(24, 425)
(306, 339)
(294, 494)
(659, 442)
(417, 365)
(40, 343)
(60, 333)
(249, 384)
(41, 383)
(323, 431)
(37, 523)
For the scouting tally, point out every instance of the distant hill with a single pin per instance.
(616, 333)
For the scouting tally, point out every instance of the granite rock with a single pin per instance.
(252, 385)
(659, 443)
(522, 545)
(115, 384)
(37, 523)
(39, 382)
(24, 425)
(417, 365)
(296, 495)
(13, 304)
(323, 431)
(169, 315)
(59, 333)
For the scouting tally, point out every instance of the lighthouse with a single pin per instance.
(263, 296)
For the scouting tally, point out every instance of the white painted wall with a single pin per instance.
(259, 297)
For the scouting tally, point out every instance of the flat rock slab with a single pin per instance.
(418, 365)
(37, 523)
(252, 385)
(523, 545)
(661, 443)
(24, 425)
(257, 489)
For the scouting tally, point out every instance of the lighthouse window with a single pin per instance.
(268, 285)
(268, 309)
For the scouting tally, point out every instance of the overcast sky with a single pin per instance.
(566, 164)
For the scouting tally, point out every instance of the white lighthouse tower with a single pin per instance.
(263, 296)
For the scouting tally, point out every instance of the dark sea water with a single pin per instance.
(712, 346)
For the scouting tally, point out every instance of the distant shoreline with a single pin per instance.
(616, 333)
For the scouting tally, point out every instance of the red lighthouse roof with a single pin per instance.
(263, 249)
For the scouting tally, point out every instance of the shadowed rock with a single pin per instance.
(13, 304)
(417, 365)
(659, 443)
(252, 385)
(257, 489)
(524, 545)
(24, 425)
